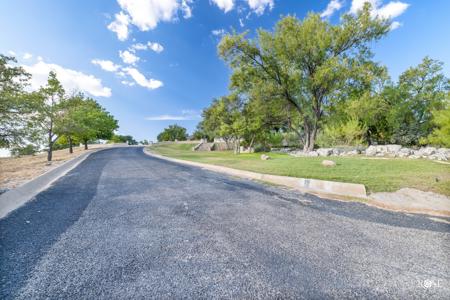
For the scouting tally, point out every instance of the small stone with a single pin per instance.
(328, 163)
(265, 157)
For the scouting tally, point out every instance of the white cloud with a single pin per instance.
(185, 115)
(225, 5)
(395, 25)
(146, 14)
(332, 7)
(27, 56)
(12, 53)
(218, 32)
(186, 9)
(391, 10)
(128, 57)
(158, 48)
(120, 26)
(154, 46)
(259, 6)
(129, 83)
(241, 22)
(70, 79)
(106, 65)
(140, 79)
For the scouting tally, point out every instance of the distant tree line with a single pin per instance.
(310, 83)
(47, 116)
(173, 133)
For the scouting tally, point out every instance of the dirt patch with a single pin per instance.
(15, 171)
(413, 200)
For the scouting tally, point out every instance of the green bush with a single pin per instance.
(350, 133)
(26, 150)
(441, 134)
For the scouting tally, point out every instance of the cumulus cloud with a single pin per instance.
(106, 65)
(225, 5)
(146, 14)
(128, 57)
(332, 7)
(120, 26)
(154, 46)
(389, 11)
(186, 115)
(140, 79)
(70, 79)
(259, 6)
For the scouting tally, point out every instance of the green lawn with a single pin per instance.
(376, 174)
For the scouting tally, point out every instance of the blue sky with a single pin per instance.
(152, 63)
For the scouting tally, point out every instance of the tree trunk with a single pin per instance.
(70, 145)
(85, 145)
(50, 147)
(310, 136)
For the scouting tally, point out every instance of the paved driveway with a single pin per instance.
(125, 225)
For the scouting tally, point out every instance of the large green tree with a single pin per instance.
(45, 104)
(173, 133)
(303, 62)
(420, 91)
(14, 110)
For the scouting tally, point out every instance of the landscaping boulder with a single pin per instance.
(371, 151)
(427, 151)
(325, 151)
(313, 154)
(438, 156)
(328, 163)
(393, 149)
(336, 151)
(265, 157)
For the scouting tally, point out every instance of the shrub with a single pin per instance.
(350, 133)
(26, 150)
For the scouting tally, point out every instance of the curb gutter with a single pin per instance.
(313, 186)
(15, 198)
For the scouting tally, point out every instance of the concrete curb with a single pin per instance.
(15, 198)
(313, 186)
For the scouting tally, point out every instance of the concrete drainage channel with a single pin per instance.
(313, 186)
(326, 189)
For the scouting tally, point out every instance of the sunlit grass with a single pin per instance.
(376, 174)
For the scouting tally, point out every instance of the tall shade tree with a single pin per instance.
(46, 110)
(67, 124)
(420, 91)
(173, 133)
(13, 102)
(93, 122)
(303, 62)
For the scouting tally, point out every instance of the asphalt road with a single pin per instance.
(123, 225)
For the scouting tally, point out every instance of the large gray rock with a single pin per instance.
(393, 148)
(427, 151)
(438, 156)
(325, 151)
(313, 154)
(371, 151)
